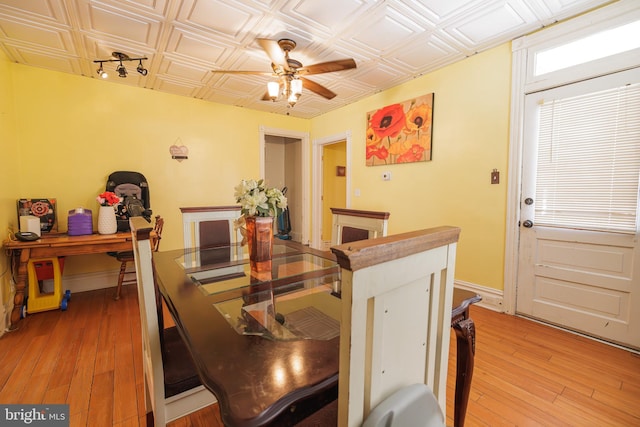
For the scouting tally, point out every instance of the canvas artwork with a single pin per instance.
(400, 133)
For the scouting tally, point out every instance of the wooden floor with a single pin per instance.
(526, 374)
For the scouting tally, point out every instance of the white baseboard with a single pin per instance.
(90, 281)
(493, 299)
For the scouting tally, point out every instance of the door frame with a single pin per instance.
(304, 154)
(316, 165)
(523, 81)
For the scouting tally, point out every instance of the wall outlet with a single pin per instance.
(386, 176)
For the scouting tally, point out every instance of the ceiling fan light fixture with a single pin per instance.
(296, 87)
(273, 88)
(292, 99)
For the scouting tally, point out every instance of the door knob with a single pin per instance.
(527, 224)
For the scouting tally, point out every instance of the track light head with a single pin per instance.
(141, 69)
(122, 72)
(101, 72)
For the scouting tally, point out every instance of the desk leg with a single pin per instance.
(20, 260)
(465, 351)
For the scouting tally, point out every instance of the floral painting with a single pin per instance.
(400, 133)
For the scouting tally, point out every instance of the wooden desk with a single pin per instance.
(258, 380)
(56, 245)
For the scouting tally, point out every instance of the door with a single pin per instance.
(578, 256)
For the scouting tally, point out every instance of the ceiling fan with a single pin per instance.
(290, 72)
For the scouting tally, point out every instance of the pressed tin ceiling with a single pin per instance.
(392, 41)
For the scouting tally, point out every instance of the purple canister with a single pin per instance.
(80, 222)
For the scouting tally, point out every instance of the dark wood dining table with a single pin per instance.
(264, 368)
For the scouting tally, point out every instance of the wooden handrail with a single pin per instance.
(209, 208)
(365, 253)
(356, 212)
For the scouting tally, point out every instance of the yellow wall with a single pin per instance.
(73, 131)
(9, 170)
(470, 139)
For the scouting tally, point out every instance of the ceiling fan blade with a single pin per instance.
(317, 88)
(328, 67)
(275, 53)
(257, 73)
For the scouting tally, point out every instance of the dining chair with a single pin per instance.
(350, 225)
(411, 406)
(126, 275)
(172, 386)
(210, 226)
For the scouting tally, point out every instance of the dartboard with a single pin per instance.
(39, 209)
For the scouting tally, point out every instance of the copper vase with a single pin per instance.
(260, 239)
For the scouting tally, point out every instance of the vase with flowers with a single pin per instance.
(259, 206)
(107, 223)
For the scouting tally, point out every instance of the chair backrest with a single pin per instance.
(165, 408)
(210, 226)
(350, 225)
(156, 236)
(411, 406)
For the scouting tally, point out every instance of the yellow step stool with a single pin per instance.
(42, 301)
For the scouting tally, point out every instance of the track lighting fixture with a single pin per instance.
(120, 68)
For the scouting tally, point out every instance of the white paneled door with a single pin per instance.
(579, 263)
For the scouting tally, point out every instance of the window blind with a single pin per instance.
(589, 161)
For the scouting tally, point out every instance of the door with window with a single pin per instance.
(579, 262)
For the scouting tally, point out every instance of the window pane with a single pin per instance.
(589, 161)
(599, 45)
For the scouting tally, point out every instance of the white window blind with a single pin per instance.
(589, 161)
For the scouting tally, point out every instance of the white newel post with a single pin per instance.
(396, 317)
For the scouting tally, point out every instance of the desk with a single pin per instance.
(57, 245)
(260, 375)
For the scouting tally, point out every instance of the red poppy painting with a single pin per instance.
(400, 133)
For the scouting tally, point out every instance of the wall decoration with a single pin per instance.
(341, 170)
(400, 133)
(179, 151)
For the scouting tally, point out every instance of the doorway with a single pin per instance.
(334, 189)
(579, 256)
(319, 236)
(283, 164)
(571, 253)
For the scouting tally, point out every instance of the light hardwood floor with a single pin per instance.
(526, 374)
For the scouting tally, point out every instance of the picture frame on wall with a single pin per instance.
(401, 132)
